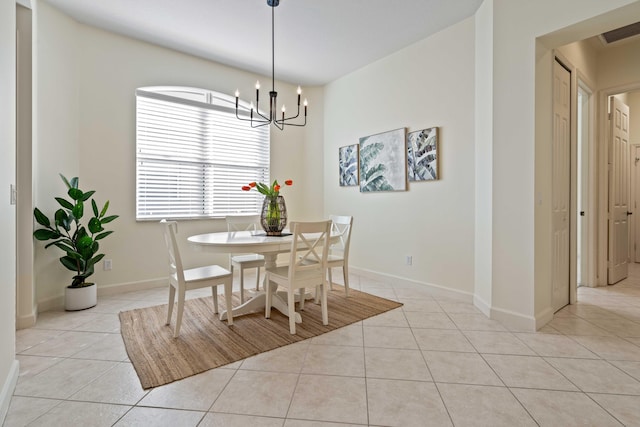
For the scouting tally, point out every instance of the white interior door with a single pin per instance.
(618, 191)
(561, 179)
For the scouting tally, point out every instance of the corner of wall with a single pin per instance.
(7, 390)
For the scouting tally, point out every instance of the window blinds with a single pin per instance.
(194, 157)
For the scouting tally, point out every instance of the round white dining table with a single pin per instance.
(249, 242)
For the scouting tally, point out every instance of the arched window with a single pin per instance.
(193, 155)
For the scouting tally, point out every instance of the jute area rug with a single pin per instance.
(205, 342)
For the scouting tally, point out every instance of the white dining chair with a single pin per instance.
(181, 280)
(243, 262)
(307, 268)
(339, 251)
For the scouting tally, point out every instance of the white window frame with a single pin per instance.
(193, 155)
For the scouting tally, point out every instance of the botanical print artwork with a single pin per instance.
(348, 164)
(383, 161)
(422, 155)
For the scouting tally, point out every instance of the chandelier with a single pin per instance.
(257, 119)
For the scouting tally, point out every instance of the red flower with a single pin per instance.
(272, 190)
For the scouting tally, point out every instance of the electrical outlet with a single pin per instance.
(408, 260)
(106, 265)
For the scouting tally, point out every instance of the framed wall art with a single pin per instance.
(348, 165)
(383, 161)
(422, 155)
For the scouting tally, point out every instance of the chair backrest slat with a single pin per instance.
(175, 261)
(242, 223)
(309, 246)
(341, 226)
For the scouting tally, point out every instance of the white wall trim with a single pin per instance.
(514, 321)
(7, 390)
(142, 285)
(27, 320)
(436, 289)
(482, 305)
(57, 302)
(543, 318)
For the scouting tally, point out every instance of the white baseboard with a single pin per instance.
(51, 303)
(27, 321)
(544, 317)
(515, 321)
(482, 305)
(7, 389)
(435, 289)
(57, 302)
(141, 285)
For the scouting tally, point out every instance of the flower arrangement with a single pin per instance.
(274, 211)
(271, 191)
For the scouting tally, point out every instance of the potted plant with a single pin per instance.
(79, 243)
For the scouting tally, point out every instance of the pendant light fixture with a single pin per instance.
(257, 119)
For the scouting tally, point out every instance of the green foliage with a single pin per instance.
(372, 175)
(69, 235)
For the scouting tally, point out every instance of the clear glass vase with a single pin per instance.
(274, 215)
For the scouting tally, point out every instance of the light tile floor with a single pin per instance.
(435, 361)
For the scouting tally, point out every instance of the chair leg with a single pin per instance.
(241, 285)
(214, 293)
(228, 291)
(302, 294)
(325, 311)
(345, 274)
(292, 310)
(181, 293)
(268, 297)
(330, 279)
(172, 297)
(257, 278)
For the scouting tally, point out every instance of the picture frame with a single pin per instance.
(348, 158)
(383, 161)
(422, 155)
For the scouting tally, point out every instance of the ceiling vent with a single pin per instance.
(622, 33)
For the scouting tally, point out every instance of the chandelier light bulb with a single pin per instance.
(257, 84)
(299, 90)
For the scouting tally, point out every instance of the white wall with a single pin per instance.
(8, 364)
(512, 129)
(634, 117)
(100, 71)
(55, 138)
(619, 66)
(484, 157)
(584, 57)
(430, 83)
(523, 61)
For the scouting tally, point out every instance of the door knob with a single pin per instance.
(629, 213)
(581, 213)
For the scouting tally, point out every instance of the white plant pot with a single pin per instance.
(80, 298)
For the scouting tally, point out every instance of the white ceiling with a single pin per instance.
(315, 41)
